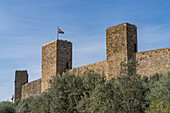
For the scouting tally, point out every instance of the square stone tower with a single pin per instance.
(21, 78)
(121, 44)
(56, 59)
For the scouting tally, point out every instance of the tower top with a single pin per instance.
(21, 70)
(123, 24)
(57, 41)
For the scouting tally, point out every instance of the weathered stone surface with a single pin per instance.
(99, 67)
(154, 61)
(31, 89)
(21, 78)
(64, 56)
(56, 58)
(120, 42)
(49, 63)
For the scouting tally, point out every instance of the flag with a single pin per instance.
(60, 31)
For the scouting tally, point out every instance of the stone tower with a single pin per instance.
(121, 42)
(56, 58)
(21, 78)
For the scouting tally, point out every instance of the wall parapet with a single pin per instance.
(31, 89)
(149, 51)
(153, 61)
(98, 67)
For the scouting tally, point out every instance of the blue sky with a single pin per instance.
(25, 25)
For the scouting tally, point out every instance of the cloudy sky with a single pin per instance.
(25, 25)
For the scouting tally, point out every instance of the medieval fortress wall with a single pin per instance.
(121, 42)
(31, 89)
(99, 67)
(153, 61)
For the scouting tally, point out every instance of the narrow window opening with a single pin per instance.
(135, 48)
(67, 67)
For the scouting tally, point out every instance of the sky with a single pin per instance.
(25, 25)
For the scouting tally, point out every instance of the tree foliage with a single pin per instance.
(7, 107)
(159, 94)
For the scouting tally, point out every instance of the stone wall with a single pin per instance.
(153, 61)
(31, 89)
(99, 67)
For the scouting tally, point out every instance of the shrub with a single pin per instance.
(24, 106)
(158, 107)
(124, 94)
(7, 107)
(68, 90)
(159, 94)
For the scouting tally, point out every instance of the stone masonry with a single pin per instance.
(31, 89)
(154, 61)
(56, 58)
(21, 78)
(120, 41)
(121, 45)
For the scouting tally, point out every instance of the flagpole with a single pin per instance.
(57, 31)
